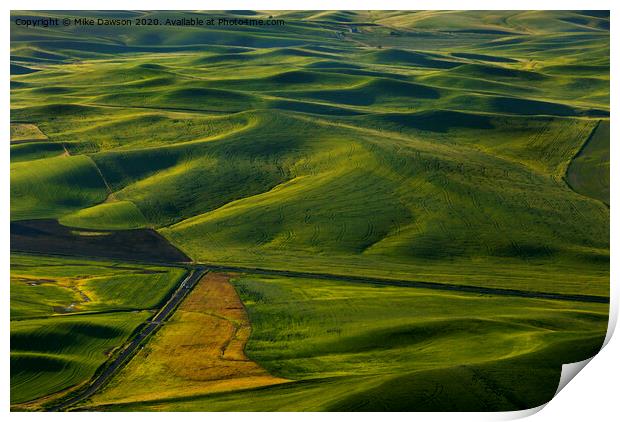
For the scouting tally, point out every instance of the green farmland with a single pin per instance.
(465, 150)
(69, 315)
(350, 347)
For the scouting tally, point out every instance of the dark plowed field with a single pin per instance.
(50, 237)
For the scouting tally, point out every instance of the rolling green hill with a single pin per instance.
(375, 348)
(49, 356)
(456, 147)
(69, 315)
(588, 173)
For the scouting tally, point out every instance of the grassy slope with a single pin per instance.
(351, 347)
(54, 186)
(200, 350)
(51, 354)
(254, 152)
(309, 147)
(588, 173)
(91, 286)
(58, 336)
(25, 132)
(114, 215)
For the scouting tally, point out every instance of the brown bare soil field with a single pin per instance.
(199, 351)
(49, 237)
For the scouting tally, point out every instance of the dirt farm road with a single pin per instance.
(138, 340)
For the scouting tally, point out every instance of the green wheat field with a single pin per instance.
(383, 210)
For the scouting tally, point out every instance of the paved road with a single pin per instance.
(419, 284)
(371, 280)
(177, 297)
(375, 280)
(197, 271)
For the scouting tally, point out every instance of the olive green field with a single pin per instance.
(412, 206)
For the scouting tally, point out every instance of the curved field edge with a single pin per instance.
(458, 156)
(360, 348)
(200, 350)
(69, 315)
(360, 142)
(49, 356)
(588, 172)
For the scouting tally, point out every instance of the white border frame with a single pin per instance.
(590, 395)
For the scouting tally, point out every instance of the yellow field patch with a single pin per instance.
(26, 132)
(199, 351)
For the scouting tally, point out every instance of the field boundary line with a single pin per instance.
(494, 291)
(583, 146)
(432, 285)
(136, 341)
(105, 182)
